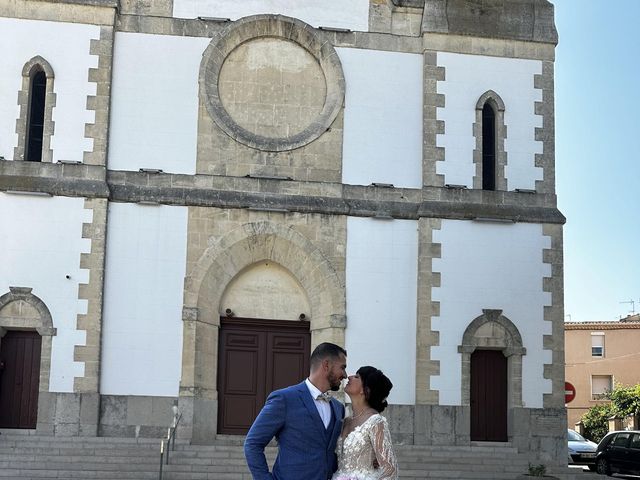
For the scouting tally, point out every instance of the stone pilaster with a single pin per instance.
(427, 309)
(91, 321)
(546, 134)
(432, 127)
(100, 102)
(554, 313)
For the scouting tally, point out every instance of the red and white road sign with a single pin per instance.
(569, 392)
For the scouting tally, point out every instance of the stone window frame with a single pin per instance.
(494, 100)
(43, 325)
(285, 28)
(24, 100)
(510, 344)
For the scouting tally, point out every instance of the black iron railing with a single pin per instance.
(169, 443)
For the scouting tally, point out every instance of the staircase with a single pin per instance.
(24, 456)
(40, 457)
(225, 460)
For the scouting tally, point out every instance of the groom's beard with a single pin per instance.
(334, 382)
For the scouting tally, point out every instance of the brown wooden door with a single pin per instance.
(488, 396)
(19, 379)
(256, 357)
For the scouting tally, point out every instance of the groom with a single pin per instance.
(305, 421)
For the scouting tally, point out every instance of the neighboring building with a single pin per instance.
(190, 204)
(599, 355)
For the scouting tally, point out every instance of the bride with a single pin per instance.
(364, 448)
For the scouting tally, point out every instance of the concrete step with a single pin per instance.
(40, 457)
(29, 456)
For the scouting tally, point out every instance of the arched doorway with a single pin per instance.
(267, 349)
(207, 290)
(26, 331)
(491, 385)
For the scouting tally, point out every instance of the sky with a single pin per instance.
(597, 95)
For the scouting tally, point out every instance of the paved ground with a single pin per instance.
(586, 469)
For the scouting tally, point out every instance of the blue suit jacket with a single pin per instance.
(304, 451)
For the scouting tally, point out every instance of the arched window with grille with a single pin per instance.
(490, 132)
(488, 147)
(35, 118)
(36, 99)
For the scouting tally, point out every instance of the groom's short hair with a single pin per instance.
(326, 350)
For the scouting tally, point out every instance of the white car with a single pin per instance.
(581, 450)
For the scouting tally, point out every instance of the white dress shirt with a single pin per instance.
(324, 409)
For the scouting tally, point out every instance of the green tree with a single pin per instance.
(596, 421)
(625, 400)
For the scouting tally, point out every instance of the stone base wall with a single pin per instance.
(68, 414)
(540, 432)
(135, 416)
(90, 414)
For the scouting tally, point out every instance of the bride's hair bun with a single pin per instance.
(376, 387)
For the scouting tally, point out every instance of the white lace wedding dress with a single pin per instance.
(368, 442)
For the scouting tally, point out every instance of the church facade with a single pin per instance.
(193, 194)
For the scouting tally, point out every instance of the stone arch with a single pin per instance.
(496, 102)
(274, 27)
(493, 98)
(22, 310)
(494, 331)
(204, 287)
(36, 62)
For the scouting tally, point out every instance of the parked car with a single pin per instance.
(581, 450)
(619, 452)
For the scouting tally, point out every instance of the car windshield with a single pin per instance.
(575, 436)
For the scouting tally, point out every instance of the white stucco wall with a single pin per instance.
(154, 105)
(382, 118)
(381, 275)
(491, 266)
(66, 47)
(467, 78)
(40, 243)
(144, 280)
(351, 14)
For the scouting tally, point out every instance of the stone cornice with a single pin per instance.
(53, 178)
(277, 195)
(94, 12)
(93, 3)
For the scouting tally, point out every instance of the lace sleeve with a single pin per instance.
(383, 450)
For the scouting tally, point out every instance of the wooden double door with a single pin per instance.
(488, 396)
(256, 357)
(19, 379)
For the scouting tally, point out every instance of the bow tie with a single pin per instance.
(324, 397)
